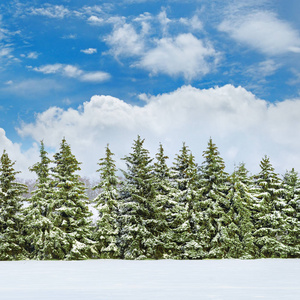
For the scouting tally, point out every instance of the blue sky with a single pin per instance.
(143, 58)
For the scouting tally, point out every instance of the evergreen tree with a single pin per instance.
(164, 204)
(268, 218)
(291, 230)
(185, 222)
(214, 204)
(238, 239)
(12, 243)
(70, 208)
(41, 234)
(139, 232)
(107, 228)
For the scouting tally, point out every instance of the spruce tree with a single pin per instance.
(12, 243)
(185, 223)
(41, 234)
(139, 234)
(238, 239)
(268, 217)
(214, 204)
(70, 208)
(164, 204)
(107, 227)
(291, 230)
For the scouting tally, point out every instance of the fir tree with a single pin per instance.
(238, 239)
(139, 233)
(164, 204)
(41, 234)
(185, 222)
(107, 228)
(291, 230)
(12, 243)
(70, 208)
(214, 204)
(268, 218)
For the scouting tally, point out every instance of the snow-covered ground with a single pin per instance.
(143, 280)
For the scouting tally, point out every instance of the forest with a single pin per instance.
(154, 211)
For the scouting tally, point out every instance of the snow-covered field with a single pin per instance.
(143, 280)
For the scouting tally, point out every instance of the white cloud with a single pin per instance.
(33, 88)
(94, 20)
(33, 55)
(23, 159)
(125, 41)
(49, 69)
(194, 23)
(175, 55)
(263, 69)
(164, 21)
(262, 30)
(183, 55)
(73, 72)
(243, 127)
(89, 51)
(51, 11)
(95, 76)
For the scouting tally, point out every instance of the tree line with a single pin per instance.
(186, 211)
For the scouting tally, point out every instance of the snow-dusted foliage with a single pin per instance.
(214, 203)
(70, 212)
(155, 211)
(107, 228)
(185, 219)
(268, 218)
(12, 242)
(139, 230)
(291, 229)
(238, 230)
(164, 203)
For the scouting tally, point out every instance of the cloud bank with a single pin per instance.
(244, 127)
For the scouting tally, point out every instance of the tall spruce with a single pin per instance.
(238, 239)
(139, 230)
(268, 218)
(12, 242)
(185, 223)
(164, 204)
(70, 208)
(291, 230)
(41, 234)
(107, 227)
(214, 204)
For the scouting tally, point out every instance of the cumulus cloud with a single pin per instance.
(154, 49)
(262, 30)
(184, 55)
(244, 127)
(125, 41)
(89, 51)
(23, 159)
(73, 72)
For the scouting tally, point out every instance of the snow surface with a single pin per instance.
(143, 280)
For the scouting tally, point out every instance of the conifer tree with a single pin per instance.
(41, 234)
(185, 223)
(164, 204)
(291, 230)
(70, 208)
(238, 239)
(12, 243)
(214, 203)
(107, 227)
(139, 235)
(268, 218)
